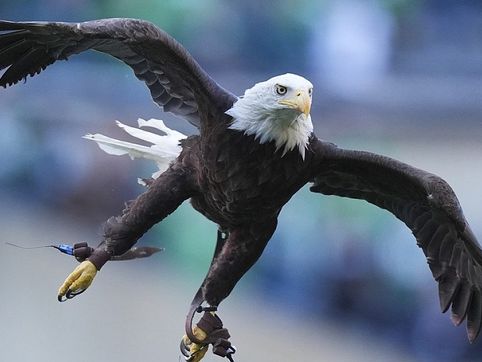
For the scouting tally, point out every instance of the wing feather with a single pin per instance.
(474, 316)
(428, 206)
(177, 83)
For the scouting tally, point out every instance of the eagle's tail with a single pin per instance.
(164, 148)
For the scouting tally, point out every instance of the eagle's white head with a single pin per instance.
(276, 110)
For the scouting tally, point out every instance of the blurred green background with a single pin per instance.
(340, 281)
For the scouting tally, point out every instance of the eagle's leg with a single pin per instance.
(233, 257)
(163, 196)
(243, 247)
(193, 344)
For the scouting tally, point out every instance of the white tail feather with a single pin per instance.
(163, 151)
(141, 134)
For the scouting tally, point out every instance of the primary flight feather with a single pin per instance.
(251, 155)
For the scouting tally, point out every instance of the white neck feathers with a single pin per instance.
(255, 115)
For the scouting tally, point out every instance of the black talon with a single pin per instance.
(184, 350)
(71, 294)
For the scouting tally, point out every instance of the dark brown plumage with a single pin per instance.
(240, 183)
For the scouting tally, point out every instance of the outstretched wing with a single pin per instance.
(177, 83)
(428, 206)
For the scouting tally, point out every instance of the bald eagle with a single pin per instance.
(252, 154)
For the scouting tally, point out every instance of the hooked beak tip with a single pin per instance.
(301, 102)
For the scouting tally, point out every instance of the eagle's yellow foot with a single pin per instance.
(209, 330)
(192, 351)
(78, 281)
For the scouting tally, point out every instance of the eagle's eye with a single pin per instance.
(310, 91)
(281, 90)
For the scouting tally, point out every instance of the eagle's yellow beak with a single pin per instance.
(301, 102)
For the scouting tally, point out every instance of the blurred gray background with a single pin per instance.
(340, 280)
